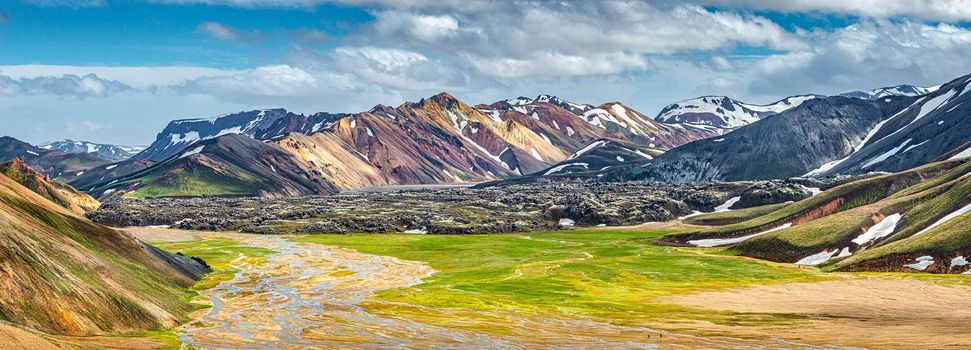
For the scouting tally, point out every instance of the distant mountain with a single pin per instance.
(59, 193)
(899, 90)
(52, 163)
(933, 126)
(112, 153)
(723, 112)
(179, 134)
(228, 165)
(65, 275)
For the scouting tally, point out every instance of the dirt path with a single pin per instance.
(310, 295)
(872, 313)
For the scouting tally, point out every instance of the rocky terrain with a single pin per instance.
(514, 208)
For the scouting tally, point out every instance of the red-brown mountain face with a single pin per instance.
(575, 126)
(436, 140)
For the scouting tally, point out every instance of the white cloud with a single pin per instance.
(69, 85)
(145, 77)
(720, 63)
(427, 28)
(574, 38)
(933, 10)
(556, 64)
(267, 81)
(224, 32)
(868, 54)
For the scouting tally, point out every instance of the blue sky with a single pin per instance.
(117, 71)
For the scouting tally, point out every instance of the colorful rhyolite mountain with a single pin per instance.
(439, 139)
(65, 275)
(56, 192)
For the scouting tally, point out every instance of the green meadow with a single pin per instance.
(620, 275)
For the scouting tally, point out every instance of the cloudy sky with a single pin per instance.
(117, 71)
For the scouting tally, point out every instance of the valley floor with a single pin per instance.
(583, 288)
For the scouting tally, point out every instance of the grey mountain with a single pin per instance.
(113, 153)
(934, 126)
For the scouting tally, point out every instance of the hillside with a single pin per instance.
(65, 275)
(229, 165)
(56, 192)
(779, 146)
(599, 158)
(934, 125)
(908, 221)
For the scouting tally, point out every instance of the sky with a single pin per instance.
(117, 71)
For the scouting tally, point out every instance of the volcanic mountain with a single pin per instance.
(780, 146)
(933, 126)
(260, 124)
(573, 126)
(439, 139)
(230, 164)
(63, 274)
(59, 193)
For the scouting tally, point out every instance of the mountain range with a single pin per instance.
(107, 152)
(440, 139)
(822, 136)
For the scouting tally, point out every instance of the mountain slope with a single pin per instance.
(436, 140)
(724, 112)
(107, 152)
(892, 222)
(61, 194)
(780, 146)
(572, 126)
(934, 125)
(63, 274)
(599, 158)
(108, 172)
(228, 165)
